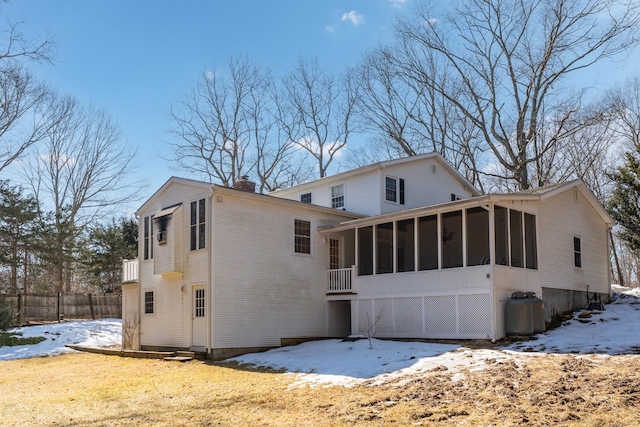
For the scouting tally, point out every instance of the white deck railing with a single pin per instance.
(341, 280)
(129, 270)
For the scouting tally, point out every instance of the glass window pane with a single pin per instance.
(390, 189)
(365, 251)
(428, 242)
(405, 252)
(193, 212)
(477, 236)
(201, 212)
(384, 245)
(202, 236)
(452, 239)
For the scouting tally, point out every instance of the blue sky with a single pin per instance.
(135, 57)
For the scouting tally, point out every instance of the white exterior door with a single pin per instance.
(198, 318)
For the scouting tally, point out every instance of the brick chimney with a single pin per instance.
(243, 184)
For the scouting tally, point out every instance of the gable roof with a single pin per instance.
(177, 180)
(166, 210)
(381, 165)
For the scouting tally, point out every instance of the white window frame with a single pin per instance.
(310, 194)
(153, 302)
(199, 223)
(147, 239)
(395, 189)
(580, 252)
(334, 199)
(296, 236)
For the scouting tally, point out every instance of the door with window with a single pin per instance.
(199, 325)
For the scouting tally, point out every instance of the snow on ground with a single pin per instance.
(92, 333)
(611, 332)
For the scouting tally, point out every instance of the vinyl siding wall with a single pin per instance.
(559, 221)
(170, 325)
(423, 187)
(364, 193)
(262, 290)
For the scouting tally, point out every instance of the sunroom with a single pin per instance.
(442, 271)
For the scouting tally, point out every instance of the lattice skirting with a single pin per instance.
(466, 316)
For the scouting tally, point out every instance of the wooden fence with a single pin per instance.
(53, 308)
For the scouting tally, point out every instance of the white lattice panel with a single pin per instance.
(440, 315)
(383, 315)
(365, 318)
(407, 316)
(474, 315)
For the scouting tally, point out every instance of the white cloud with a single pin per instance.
(311, 144)
(355, 18)
(432, 21)
(329, 29)
(397, 3)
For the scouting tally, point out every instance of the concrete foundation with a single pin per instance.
(560, 301)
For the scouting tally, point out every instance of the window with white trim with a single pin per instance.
(305, 198)
(302, 236)
(148, 237)
(394, 189)
(149, 302)
(337, 196)
(577, 252)
(198, 225)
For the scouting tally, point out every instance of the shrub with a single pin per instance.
(7, 319)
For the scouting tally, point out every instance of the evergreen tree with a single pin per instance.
(107, 245)
(624, 205)
(18, 215)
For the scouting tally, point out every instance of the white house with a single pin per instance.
(408, 245)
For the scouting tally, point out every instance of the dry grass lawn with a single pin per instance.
(97, 390)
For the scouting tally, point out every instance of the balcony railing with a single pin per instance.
(129, 270)
(341, 280)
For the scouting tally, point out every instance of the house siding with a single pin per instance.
(364, 193)
(559, 221)
(258, 299)
(170, 324)
(422, 186)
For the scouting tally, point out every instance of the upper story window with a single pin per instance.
(394, 189)
(198, 225)
(302, 236)
(305, 198)
(148, 238)
(577, 252)
(337, 196)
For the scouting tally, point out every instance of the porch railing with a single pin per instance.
(341, 280)
(129, 270)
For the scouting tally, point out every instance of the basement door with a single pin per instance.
(198, 319)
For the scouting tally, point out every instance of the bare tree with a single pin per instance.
(510, 63)
(22, 97)
(81, 169)
(315, 111)
(225, 128)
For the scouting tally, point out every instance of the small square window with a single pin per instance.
(337, 196)
(305, 198)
